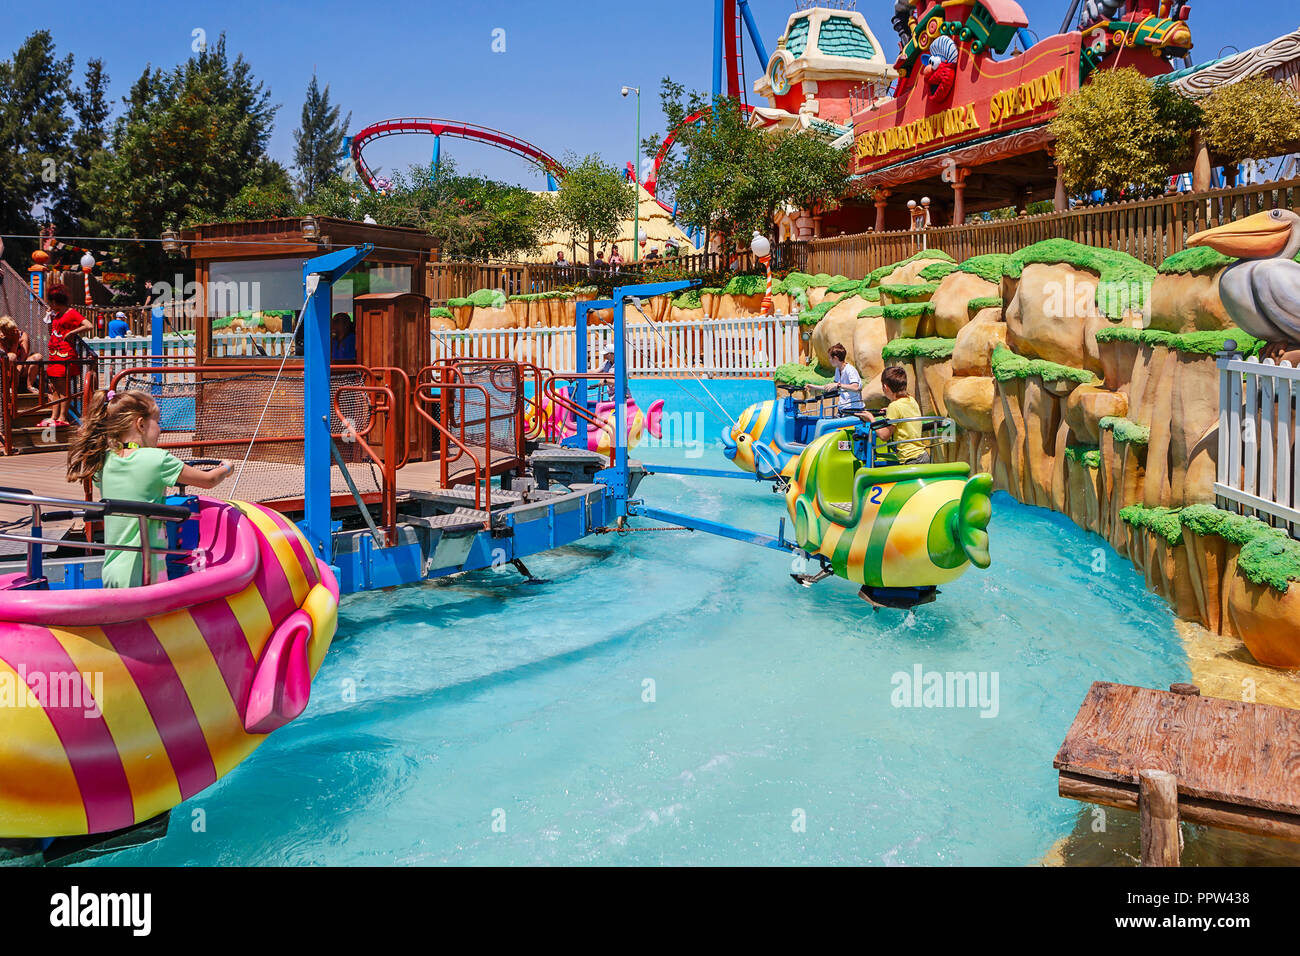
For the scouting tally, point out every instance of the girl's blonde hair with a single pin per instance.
(108, 419)
(7, 325)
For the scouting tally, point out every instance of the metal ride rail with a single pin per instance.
(262, 445)
(436, 395)
(503, 449)
(945, 434)
(548, 391)
(387, 462)
(144, 512)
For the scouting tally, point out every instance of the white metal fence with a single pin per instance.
(1259, 457)
(744, 347)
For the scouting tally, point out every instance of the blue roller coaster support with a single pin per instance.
(1026, 38)
(754, 35)
(551, 184)
(316, 388)
(437, 154)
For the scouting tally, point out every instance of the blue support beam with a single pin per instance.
(754, 35)
(617, 477)
(718, 528)
(702, 472)
(718, 8)
(325, 271)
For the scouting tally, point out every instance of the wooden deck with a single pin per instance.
(1237, 765)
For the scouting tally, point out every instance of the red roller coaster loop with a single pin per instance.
(652, 180)
(442, 127)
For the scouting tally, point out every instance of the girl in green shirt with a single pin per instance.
(117, 447)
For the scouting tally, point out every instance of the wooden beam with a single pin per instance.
(1158, 813)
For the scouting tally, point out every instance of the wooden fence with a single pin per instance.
(458, 280)
(1259, 457)
(1149, 229)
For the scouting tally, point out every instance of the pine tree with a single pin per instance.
(89, 139)
(318, 153)
(190, 140)
(34, 146)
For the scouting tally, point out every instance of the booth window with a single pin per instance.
(246, 299)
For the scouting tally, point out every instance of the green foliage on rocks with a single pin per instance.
(1124, 281)
(1161, 521)
(1088, 455)
(1126, 431)
(1008, 365)
(984, 302)
(873, 278)
(932, 349)
(988, 267)
(1205, 342)
(797, 376)
(908, 291)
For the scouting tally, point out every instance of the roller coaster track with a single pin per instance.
(442, 127)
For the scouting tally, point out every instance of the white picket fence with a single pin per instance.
(132, 350)
(1259, 457)
(742, 347)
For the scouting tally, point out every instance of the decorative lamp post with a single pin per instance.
(636, 164)
(762, 249)
(87, 263)
(171, 242)
(310, 228)
(36, 271)
(642, 239)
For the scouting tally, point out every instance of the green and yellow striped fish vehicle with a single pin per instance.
(897, 530)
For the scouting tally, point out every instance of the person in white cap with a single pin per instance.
(118, 327)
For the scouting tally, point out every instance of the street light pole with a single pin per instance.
(636, 169)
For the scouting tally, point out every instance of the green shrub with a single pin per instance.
(984, 302)
(438, 312)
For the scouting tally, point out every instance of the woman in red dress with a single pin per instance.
(66, 324)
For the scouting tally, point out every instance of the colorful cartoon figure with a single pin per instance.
(558, 421)
(940, 70)
(765, 438)
(897, 530)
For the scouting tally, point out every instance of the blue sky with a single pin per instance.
(556, 85)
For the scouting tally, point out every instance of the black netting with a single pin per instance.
(207, 416)
(490, 421)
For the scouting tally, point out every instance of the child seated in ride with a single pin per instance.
(847, 385)
(116, 447)
(909, 450)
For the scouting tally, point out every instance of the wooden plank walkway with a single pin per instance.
(1237, 764)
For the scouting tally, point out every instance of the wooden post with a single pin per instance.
(1158, 814)
(882, 198)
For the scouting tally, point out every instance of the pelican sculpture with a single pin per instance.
(1261, 292)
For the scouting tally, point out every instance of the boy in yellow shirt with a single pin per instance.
(910, 450)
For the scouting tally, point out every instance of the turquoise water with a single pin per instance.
(492, 702)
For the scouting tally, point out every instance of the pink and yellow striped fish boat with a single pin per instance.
(115, 706)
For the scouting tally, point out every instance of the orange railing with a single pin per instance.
(16, 378)
(435, 392)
